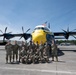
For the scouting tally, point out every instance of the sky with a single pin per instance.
(14, 14)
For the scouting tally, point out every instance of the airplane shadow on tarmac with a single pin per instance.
(60, 53)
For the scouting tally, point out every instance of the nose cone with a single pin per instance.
(39, 35)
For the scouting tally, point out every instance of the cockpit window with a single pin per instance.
(46, 29)
(39, 28)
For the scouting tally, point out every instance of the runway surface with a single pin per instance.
(65, 66)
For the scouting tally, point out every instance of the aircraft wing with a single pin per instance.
(1, 35)
(24, 35)
(9, 36)
(21, 34)
(65, 34)
(17, 35)
(72, 33)
(59, 33)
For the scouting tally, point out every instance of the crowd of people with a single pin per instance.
(30, 52)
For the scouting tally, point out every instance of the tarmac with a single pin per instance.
(65, 66)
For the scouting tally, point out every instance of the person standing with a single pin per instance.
(54, 50)
(8, 48)
(15, 51)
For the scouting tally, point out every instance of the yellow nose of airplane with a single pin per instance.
(39, 35)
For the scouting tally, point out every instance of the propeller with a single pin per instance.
(67, 33)
(22, 29)
(6, 35)
(1, 31)
(74, 36)
(24, 34)
(5, 29)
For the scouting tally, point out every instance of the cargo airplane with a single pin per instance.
(40, 33)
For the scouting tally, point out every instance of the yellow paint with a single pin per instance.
(39, 35)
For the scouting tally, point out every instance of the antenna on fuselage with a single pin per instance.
(49, 26)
